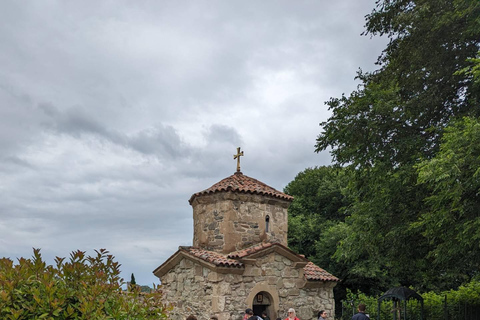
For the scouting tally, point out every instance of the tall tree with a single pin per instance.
(318, 202)
(395, 120)
(451, 221)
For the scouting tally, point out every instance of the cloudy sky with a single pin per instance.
(113, 113)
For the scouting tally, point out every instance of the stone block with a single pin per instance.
(279, 283)
(283, 293)
(294, 292)
(225, 289)
(288, 283)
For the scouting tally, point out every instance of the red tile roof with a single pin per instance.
(251, 250)
(212, 257)
(238, 182)
(313, 272)
(259, 247)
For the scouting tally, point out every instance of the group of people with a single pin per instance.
(250, 316)
(361, 315)
(291, 315)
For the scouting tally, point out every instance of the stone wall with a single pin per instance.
(227, 221)
(196, 289)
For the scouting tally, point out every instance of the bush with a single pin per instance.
(463, 303)
(84, 287)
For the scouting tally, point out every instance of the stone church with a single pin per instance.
(240, 259)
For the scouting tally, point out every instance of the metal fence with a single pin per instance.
(444, 310)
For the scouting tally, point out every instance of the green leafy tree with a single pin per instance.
(318, 201)
(396, 118)
(451, 220)
(84, 287)
(316, 219)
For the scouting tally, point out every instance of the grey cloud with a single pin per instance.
(113, 114)
(222, 133)
(159, 140)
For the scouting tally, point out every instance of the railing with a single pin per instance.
(444, 310)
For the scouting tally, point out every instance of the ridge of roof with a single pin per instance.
(259, 247)
(238, 182)
(212, 257)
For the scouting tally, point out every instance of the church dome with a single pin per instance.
(238, 212)
(238, 182)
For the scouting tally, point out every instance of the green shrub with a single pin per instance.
(84, 287)
(452, 304)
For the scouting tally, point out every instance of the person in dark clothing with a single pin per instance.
(251, 316)
(265, 316)
(322, 315)
(361, 313)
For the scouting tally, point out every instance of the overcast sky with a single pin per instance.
(113, 113)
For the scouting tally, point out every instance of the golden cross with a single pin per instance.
(237, 156)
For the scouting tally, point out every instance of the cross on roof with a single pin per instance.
(237, 156)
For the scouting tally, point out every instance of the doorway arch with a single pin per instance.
(263, 297)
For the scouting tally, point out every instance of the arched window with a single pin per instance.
(267, 223)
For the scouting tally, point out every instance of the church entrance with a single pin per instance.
(262, 302)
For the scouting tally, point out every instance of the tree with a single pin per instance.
(318, 200)
(84, 287)
(396, 119)
(451, 220)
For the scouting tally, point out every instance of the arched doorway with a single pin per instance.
(269, 300)
(263, 302)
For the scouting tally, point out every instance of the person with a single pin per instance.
(213, 318)
(291, 315)
(251, 316)
(322, 315)
(191, 317)
(279, 318)
(265, 315)
(246, 316)
(361, 313)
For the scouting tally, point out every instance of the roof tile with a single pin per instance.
(250, 250)
(212, 257)
(311, 271)
(238, 182)
(314, 272)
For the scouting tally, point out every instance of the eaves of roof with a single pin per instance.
(235, 261)
(238, 182)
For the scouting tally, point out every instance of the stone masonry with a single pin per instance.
(226, 222)
(240, 258)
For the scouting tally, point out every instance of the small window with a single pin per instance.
(267, 223)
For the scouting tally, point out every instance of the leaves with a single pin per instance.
(451, 220)
(389, 133)
(82, 287)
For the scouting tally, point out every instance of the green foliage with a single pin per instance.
(84, 287)
(317, 213)
(318, 201)
(451, 222)
(427, 78)
(437, 305)
(353, 299)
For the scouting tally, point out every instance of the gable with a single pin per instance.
(262, 249)
(212, 260)
(235, 262)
